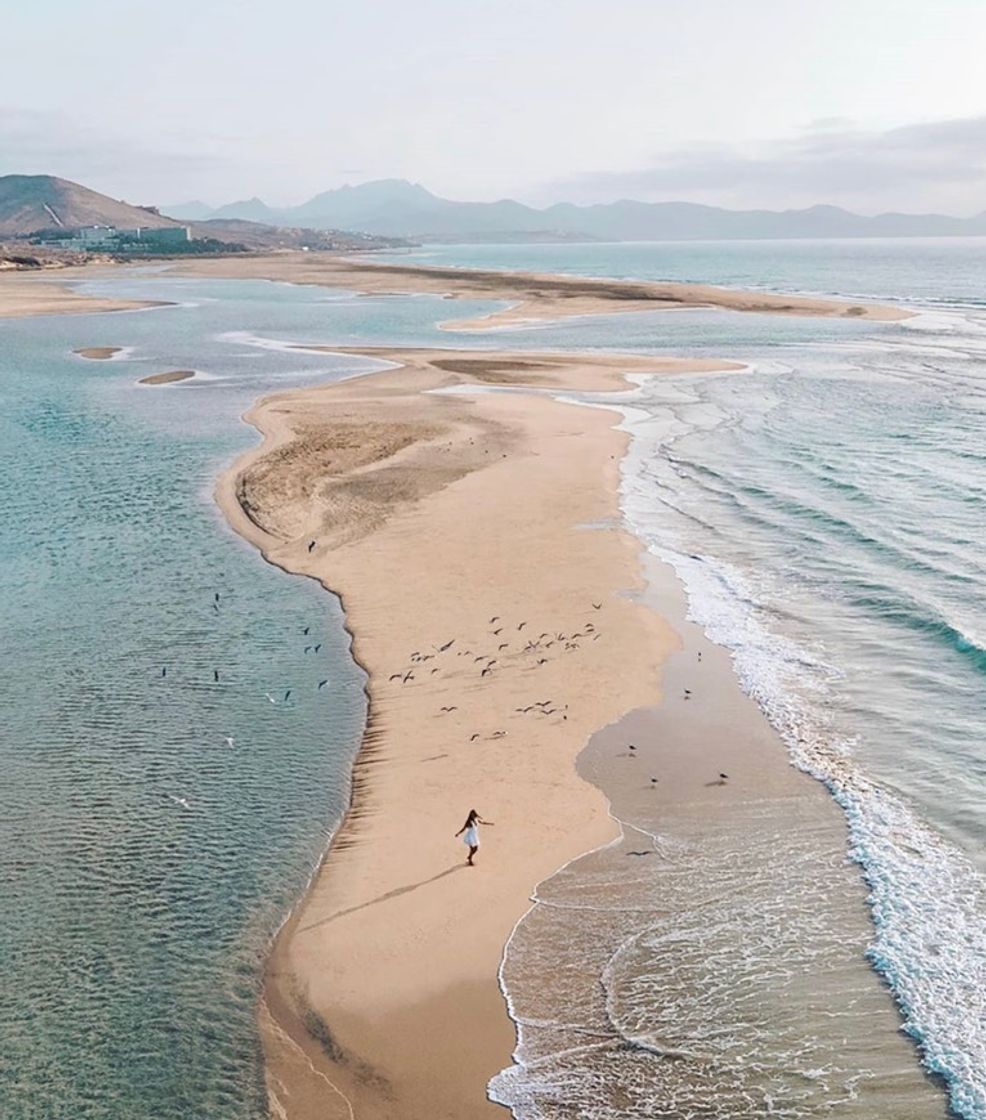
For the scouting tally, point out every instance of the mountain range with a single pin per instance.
(397, 208)
(30, 204)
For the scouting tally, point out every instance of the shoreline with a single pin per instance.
(793, 836)
(22, 296)
(533, 297)
(347, 1010)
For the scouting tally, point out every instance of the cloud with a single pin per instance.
(912, 165)
(46, 143)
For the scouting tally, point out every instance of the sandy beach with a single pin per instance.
(495, 605)
(533, 296)
(21, 295)
(461, 519)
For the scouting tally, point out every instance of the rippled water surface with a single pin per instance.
(164, 795)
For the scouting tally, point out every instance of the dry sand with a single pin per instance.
(168, 377)
(463, 519)
(537, 296)
(21, 295)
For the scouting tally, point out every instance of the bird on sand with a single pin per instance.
(597, 606)
(723, 777)
(631, 747)
(495, 618)
(473, 738)
(408, 676)
(448, 645)
(311, 545)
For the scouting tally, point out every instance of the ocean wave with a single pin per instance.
(928, 901)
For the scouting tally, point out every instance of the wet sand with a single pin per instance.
(98, 353)
(533, 296)
(726, 927)
(167, 378)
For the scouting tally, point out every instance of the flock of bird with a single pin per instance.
(520, 656)
(511, 646)
(515, 648)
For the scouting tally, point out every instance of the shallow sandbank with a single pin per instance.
(21, 296)
(168, 377)
(538, 296)
(98, 353)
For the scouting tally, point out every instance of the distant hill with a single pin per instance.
(259, 236)
(397, 208)
(34, 202)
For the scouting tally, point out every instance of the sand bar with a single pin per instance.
(168, 377)
(21, 296)
(534, 296)
(98, 353)
(462, 519)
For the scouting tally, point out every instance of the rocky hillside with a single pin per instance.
(34, 202)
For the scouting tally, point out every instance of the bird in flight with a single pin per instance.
(322, 684)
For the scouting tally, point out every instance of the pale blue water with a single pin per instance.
(834, 497)
(147, 861)
(935, 269)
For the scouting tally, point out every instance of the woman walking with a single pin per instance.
(471, 837)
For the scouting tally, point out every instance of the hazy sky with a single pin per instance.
(872, 104)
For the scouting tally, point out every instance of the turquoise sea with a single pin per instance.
(824, 510)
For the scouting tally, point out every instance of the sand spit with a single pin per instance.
(497, 636)
(21, 296)
(167, 378)
(535, 296)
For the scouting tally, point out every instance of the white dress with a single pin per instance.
(471, 837)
